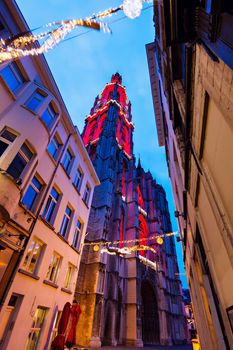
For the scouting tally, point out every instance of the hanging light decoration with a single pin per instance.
(28, 44)
(132, 8)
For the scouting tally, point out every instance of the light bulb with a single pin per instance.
(132, 8)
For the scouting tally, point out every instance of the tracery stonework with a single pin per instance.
(122, 300)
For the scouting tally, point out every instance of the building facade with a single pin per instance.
(46, 186)
(192, 333)
(130, 299)
(190, 65)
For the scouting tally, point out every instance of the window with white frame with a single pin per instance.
(67, 161)
(37, 328)
(51, 204)
(65, 221)
(55, 325)
(55, 147)
(36, 100)
(86, 194)
(69, 276)
(49, 116)
(6, 139)
(12, 76)
(31, 196)
(20, 161)
(33, 256)
(78, 179)
(78, 234)
(54, 268)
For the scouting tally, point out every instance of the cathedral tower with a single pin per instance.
(123, 300)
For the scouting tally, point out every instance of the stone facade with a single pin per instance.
(191, 70)
(124, 301)
(43, 211)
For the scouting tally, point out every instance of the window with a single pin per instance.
(78, 234)
(34, 336)
(78, 179)
(35, 100)
(86, 194)
(67, 160)
(6, 139)
(65, 221)
(32, 194)
(32, 258)
(55, 325)
(20, 161)
(12, 76)
(69, 276)
(54, 147)
(54, 268)
(101, 279)
(51, 204)
(49, 116)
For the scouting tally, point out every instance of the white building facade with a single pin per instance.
(46, 186)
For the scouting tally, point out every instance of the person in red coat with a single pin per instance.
(75, 312)
(59, 341)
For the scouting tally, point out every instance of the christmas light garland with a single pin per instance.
(125, 250)
(28, 44)
(158, 238)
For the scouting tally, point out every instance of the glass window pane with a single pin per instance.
(12, 76)
(34, 257)
(64, 225)
(68, 211)
(3, 147)
(29, 197)
(6, 134)
(48, 116)
(54, 193)
(30, 249)
(53, 147)
(36, 183)
(25, 149)
(17, 166)
(35, 101)
(50, 211)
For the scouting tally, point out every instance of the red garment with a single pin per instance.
(75, 312)
(59, 341)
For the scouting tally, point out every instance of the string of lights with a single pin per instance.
(28, 44)
(158, 238)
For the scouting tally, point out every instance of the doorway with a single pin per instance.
(150, 316)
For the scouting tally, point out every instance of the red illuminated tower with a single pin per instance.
(123, 301)
(113, 96)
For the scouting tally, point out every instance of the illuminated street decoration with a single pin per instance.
(148, 262)
(157, 238)
(126, 250)
(28, 44)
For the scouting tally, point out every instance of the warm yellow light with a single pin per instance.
(96, 248)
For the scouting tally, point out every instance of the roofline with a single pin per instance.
(154, 82)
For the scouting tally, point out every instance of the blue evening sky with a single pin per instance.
(82, 66)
